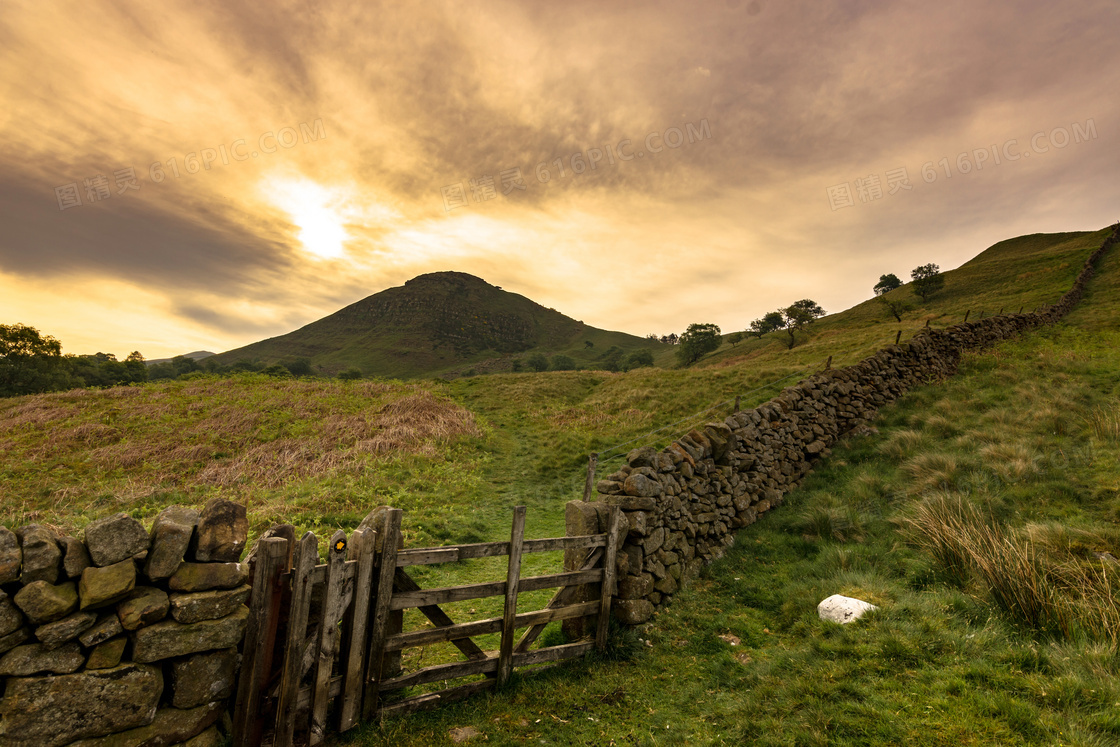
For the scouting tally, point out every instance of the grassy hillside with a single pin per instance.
(440, 323)
(1024, 272)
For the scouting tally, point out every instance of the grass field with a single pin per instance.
(1026, 432)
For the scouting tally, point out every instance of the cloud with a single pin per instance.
(408, 99)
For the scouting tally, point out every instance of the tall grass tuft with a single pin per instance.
(1040, 582)
(1105, 423)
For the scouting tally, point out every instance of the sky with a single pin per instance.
(182, 176)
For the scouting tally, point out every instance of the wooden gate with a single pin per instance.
(324, 641)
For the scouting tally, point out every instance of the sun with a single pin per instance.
(316, 211)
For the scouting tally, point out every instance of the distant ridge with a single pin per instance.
(436, 323)
(196, 355)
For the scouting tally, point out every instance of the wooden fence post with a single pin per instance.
(828, 363)
(738, 398)
(609, 560)
(927, 323)
(303, 562)
(966, 314)
(589, 485)
(898, 337)
(260, 636)
(361, 548)
(513, 579)
(386, 571)
(332, 612)
(1021, 308)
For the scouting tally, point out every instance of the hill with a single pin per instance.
(197, 355)
(439, 323)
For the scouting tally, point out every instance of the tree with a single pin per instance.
(588, 344)
(537, 361)
(887, 283)
(735, 338)
(350, 374)
(30, 362)
(563, 363)
(800, 315)
(896, 306)
(697, 340)
(612, 359)
(639, 358)
(670, 339)
(767, 324)
(927, 280)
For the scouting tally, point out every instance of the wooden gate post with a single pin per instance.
(260, 637)
(387, 561)
(361, 548)
(304, 561)
(589, 485)
(608, 589)
(513, 578)
(329, 641)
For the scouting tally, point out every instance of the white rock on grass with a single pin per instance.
(841, 609)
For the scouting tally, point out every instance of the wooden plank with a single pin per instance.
(560, 598)
(513, 578)
(426, 597)
(553, 653)
(403, 582)
(334, 689)
(260, 635)
(329, 643)
(388, 568)
(489, 625)
(441, 672)
(361, 546)
(565, 543)
(434, 700)
(454, 553)
(304, 559)
(443, 595)
(427, 556)
(608, 589)
(567, 578)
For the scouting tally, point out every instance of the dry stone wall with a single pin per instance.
(126, 636)
(682, 504)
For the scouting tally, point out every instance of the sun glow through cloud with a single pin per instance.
(317, 212)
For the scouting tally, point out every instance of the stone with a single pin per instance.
(632, 611)
(608, 487)
(10, 616)
(635, 587)
(11, 556)
(102, 630)
(203, 678)
(212, 737)
(168, 639)
(644, 456)
(171, 726)
(33, 658)
(278, 531)
(631, 502)
(44, 602)
(107, 654)
(101, 586)
(42, 557)
(208, 605)
(115, 538)
(75, 556)
(206, 576)
(641, 486)
(55, 711)
(170, 538)
(52, 635)
(841, 609)
(13, 639)
(222, 531)
(144, 605)
(462, 734)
